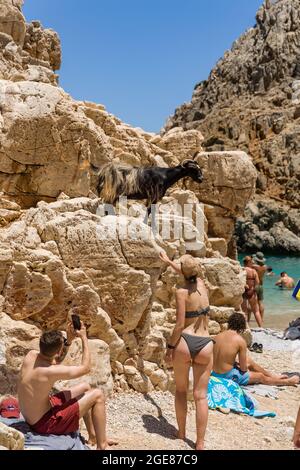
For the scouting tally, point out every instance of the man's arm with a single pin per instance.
(279, 283)
(257, 280)
(243, 356)
(60, 372)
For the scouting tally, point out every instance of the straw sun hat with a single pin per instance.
(189, 266)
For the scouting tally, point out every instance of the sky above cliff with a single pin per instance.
(141, 58)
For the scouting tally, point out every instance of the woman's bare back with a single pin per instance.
(196, 300)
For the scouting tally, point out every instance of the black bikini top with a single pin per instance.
(197, 313)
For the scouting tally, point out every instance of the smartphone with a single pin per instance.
(76, 322)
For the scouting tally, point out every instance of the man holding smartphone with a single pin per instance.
(60, 414)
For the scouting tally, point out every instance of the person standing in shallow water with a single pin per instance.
(190, 345)
(261, 269)
(285, 282)
(250, 296)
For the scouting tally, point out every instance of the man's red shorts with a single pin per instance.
(62, 418)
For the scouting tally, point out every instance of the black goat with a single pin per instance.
(150, 183)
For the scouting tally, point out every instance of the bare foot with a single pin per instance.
(199, 445)
(225, 411)
(92, 440)
(108, 443)
(295, 380)
(112, 442)
(180, 435)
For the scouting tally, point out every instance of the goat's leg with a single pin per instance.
(153, 219)
(109, 209)
(148, 213)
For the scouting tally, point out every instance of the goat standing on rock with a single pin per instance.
(150, 183)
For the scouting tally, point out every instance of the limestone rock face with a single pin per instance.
(226, 282)
(43, 44)
(27, 51)
(11, 438)
(251, 102)
(50, 152)
(100, 374)
(12, 22)
(60, 251)
(229, 180)
(224, 279)
(58, 260)
(268, 225)
(16, 340)
(55, 150)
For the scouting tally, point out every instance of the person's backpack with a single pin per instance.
(293, 331)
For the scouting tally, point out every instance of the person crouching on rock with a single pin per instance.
(59, 414)
(190, 344)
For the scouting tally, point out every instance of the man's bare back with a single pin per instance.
(34, 387)
(286, 282)
(261, 271)
(228, 345)
(39, 373)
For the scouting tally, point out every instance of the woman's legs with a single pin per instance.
(246, 309)
(202, 367)
(181, 365)
(255, 309)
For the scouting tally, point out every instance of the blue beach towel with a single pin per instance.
(223, 393)
(71, 441)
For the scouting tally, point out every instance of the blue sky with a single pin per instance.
(141, 58)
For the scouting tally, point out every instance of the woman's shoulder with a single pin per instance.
(181, 290)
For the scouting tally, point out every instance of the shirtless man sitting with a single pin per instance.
(231, 361)
(60, 414)
(285, 282)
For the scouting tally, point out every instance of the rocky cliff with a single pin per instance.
(251, 102)
(57, 248)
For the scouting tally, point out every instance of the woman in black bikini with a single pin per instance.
(190, 344)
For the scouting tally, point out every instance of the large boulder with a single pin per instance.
(269, 225)
(43, 44)
(100, 374)
(47, 143)
(10, 438)
(16, 340)
(12, 22)
(229, 180)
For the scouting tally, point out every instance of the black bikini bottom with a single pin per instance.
(196, 343)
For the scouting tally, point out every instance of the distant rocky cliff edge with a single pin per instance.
(251, 102)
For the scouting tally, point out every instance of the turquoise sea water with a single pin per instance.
(280, 307)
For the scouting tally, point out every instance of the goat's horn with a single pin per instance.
(188, 160)
(94, 168)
